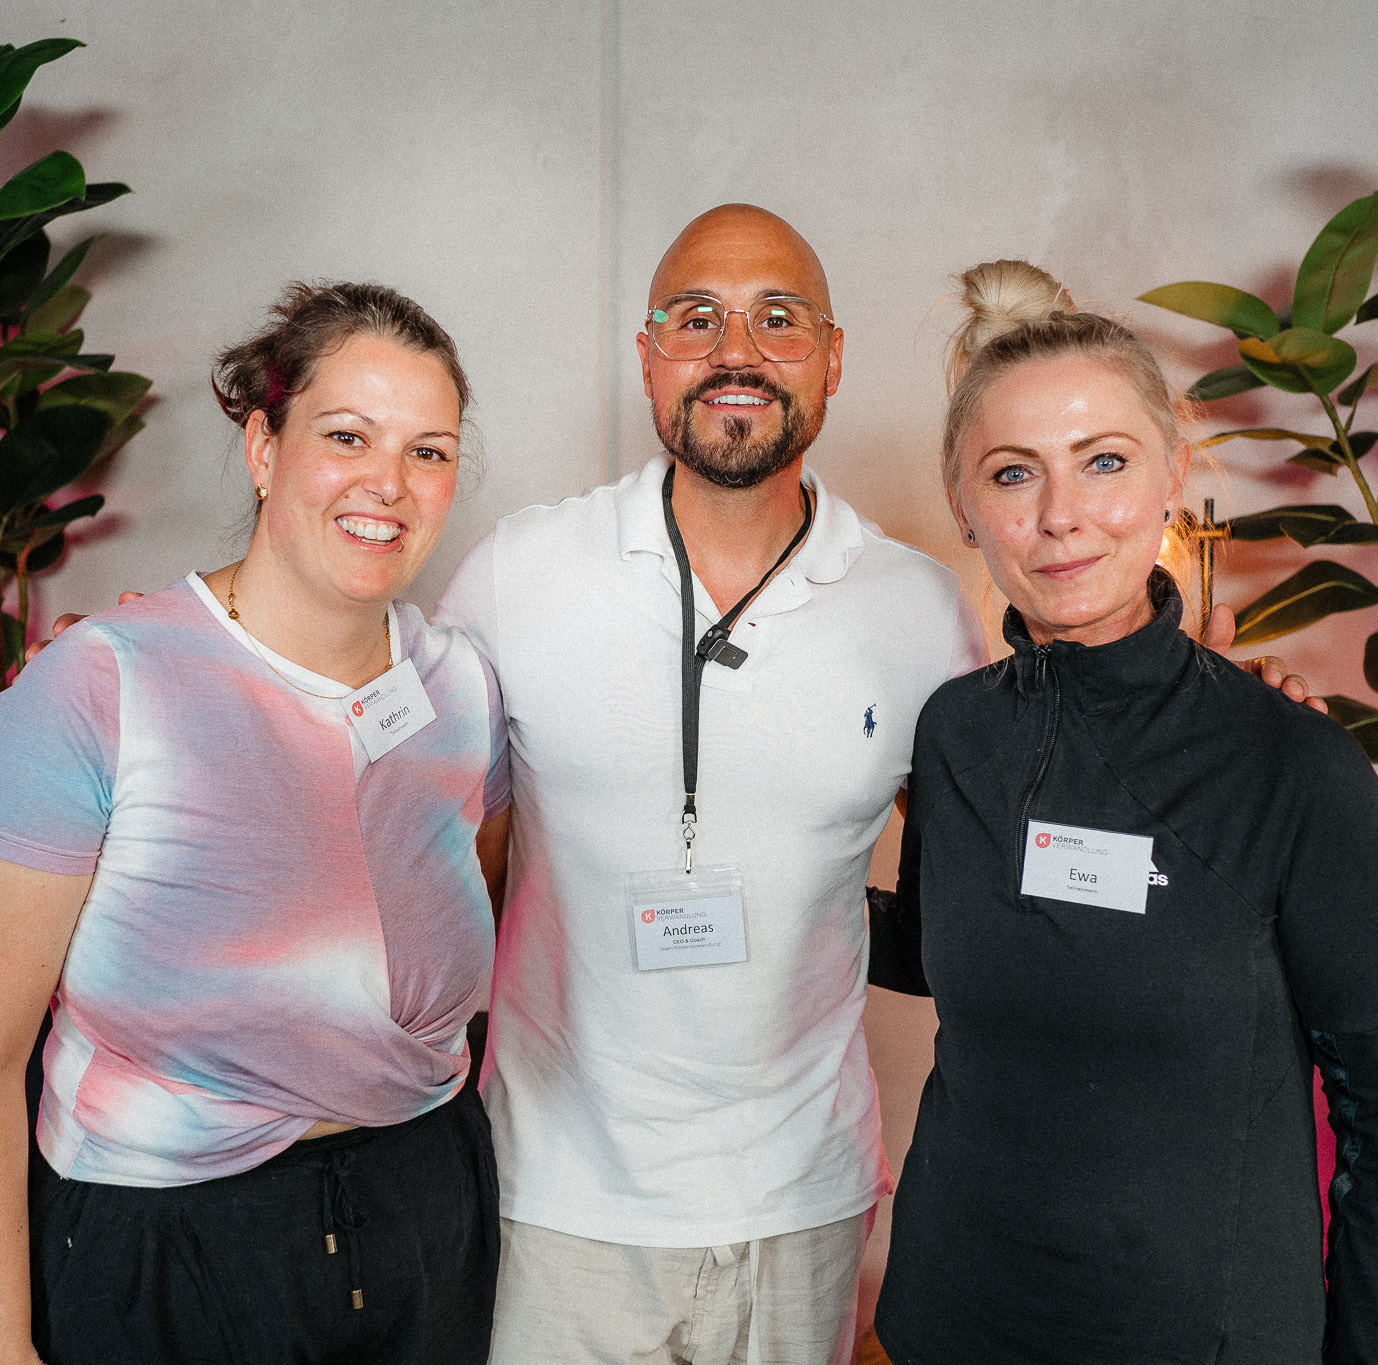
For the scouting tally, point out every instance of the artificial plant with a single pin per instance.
(61, 409)
(1298, 352)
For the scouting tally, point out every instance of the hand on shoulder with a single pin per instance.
(1219, 635)
(69, 618)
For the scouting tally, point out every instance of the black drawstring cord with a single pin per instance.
(338, 1210)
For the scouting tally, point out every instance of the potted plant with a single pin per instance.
(1299, 352)
(61, 408)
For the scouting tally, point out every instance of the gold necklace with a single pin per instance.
(325, 696)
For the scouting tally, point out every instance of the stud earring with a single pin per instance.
(1167, 516)
(971, 537)
(261, 490)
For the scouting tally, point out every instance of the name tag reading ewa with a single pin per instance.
(684, 919)
(1088, 866)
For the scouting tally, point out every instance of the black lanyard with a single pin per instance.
(714, 647)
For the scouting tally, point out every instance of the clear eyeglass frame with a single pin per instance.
(761, 340)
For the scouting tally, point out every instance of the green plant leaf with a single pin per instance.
(36, 371)
(1359, 719)
(62, 271)
(1306, 524)
(1351, 393)
(11, 364)
(54, 518)
(1243, 313)
(43, 533)
(1318, 590)
(21, 272)
(11, 234)
(60, 311)
(21, 353)
(1371, 661)
(1300, 354)
(1352, 533)
(13, 642)
(1332, 458)
(47, 551)
(1336, 272)
(15, 541)
(52, 180)
(116, 394)
(17, 67)
(1368, 310)
(1320, 461)
(119, 434)
(1270, 434)
(1224, 383)
(48, 451)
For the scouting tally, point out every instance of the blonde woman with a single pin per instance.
(1140, 887)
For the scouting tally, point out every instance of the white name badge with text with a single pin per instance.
(393, 707)
(1088, 866)
(684, 919)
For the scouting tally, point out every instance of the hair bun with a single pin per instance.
(1001, 296)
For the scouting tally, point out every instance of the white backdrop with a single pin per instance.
(519, 168)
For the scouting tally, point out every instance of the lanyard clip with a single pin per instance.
(716, 648)
(687, 822)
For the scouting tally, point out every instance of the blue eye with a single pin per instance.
(1109, 463)
(1011, 475)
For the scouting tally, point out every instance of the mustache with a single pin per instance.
(737, 379)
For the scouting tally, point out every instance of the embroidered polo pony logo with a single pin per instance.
(868, 725)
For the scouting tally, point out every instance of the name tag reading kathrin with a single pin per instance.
(393, 707)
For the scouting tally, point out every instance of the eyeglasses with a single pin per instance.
(783, 328)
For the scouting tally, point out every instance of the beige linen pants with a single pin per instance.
(787, 1300)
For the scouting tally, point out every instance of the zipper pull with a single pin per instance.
(1041, 653)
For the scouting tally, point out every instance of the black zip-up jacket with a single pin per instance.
(1114, 1159)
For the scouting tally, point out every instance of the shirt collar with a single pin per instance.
(834, 540)
(1108, 674)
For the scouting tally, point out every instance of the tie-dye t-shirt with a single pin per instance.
(278, 931)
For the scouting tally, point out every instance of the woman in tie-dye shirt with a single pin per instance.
(240, 861)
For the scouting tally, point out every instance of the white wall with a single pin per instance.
(520, 167)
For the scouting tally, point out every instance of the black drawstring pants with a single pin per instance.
(376, 1246)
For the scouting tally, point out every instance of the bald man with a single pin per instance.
(688, 1140)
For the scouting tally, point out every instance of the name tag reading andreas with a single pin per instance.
(393, 707)
(1088, 866)
(687, 920)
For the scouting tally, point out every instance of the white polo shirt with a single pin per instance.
(694, 1106)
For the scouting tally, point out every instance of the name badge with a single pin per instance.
(687, 919)
(1088, 866)
(393, 707)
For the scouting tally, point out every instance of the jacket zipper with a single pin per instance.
(1043, 670)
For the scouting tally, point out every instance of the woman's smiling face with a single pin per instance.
(1064, 480)
(362, 473)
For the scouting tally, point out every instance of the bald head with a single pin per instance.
(739, 246)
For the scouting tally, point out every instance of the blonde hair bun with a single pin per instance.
(1001, 296)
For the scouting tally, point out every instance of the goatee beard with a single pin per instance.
(737, 460)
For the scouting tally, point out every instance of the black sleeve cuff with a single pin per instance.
(1349, 1071)
(895, 963)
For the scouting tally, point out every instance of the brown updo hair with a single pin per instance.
(310, 321)
(1017, 312)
